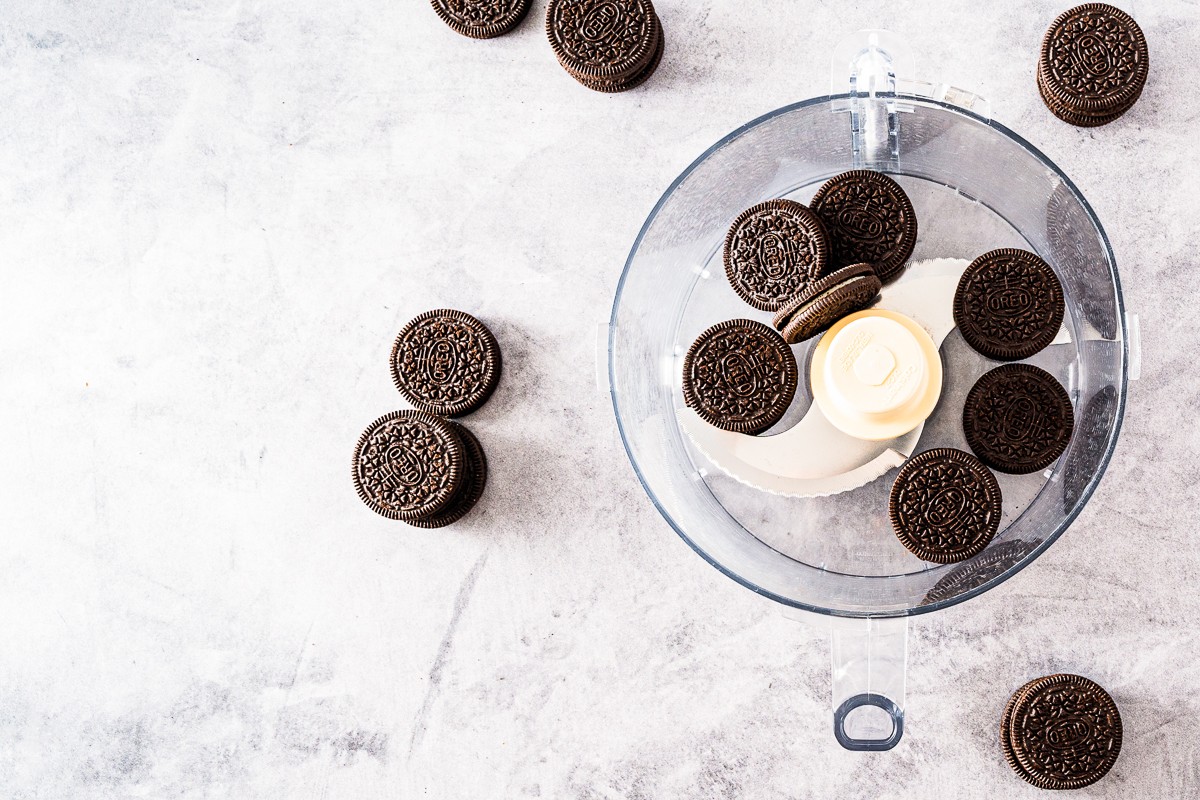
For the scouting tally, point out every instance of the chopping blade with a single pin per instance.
(813, 458)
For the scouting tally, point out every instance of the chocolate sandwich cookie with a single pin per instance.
(602, 40)
(1018, 419)
(1093, 64)
(822, 304)
(1067, 115)
(868, 218)
(446, 362)
(1063, 732)
(1008, 304)
(773, 252)
(481, 19)
(945, 505)
(408, 465)
(473, 482)
(739, 375)
(638, 78)
(1006, 731)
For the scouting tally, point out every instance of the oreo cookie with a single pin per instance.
(607, 45)
(774, 251)
(945, 505)
(1008, 304)
(1018, 419)
(821, 305)
(473, 482)
(1061, 732)
(1093, 64)
(446, 362)
(638, 78)
(481, 19)
(739, 375)
(408, 465)
(868, 218)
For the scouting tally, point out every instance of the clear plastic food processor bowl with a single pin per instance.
(976, 186)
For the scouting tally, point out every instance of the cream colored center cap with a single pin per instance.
(874, 365)
(876, 374)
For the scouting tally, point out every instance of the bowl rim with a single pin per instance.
(1088, 490)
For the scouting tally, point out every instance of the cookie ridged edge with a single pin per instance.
(495, 364)
(456, 464)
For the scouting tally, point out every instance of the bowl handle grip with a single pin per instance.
(869, 661)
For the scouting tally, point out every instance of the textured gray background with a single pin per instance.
(214, 217)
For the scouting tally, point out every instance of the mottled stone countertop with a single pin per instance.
(214, 217)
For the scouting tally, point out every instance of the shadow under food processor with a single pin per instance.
(976, 186)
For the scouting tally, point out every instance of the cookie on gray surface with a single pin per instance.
(408, 465)
(1061, 732)
(446, 362)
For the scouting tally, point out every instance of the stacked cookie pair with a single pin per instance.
(606, 45)
(419, 466)
(1093, 65)
(1061, 732)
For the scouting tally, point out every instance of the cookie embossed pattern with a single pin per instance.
(446, 362)
(773, 252)
(408, 465)
(606, 45)
(740, 375)
(481, 19)
(945, 505)
(1061, 732)
(1009, 304)
(869, 219)
(1093, 65)
(1018, 419)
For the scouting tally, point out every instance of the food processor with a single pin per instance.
(826, 549)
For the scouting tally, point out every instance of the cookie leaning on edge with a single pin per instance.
(481, 19)
(739, 375)
(822, 304)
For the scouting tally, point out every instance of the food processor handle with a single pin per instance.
(869, 659)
